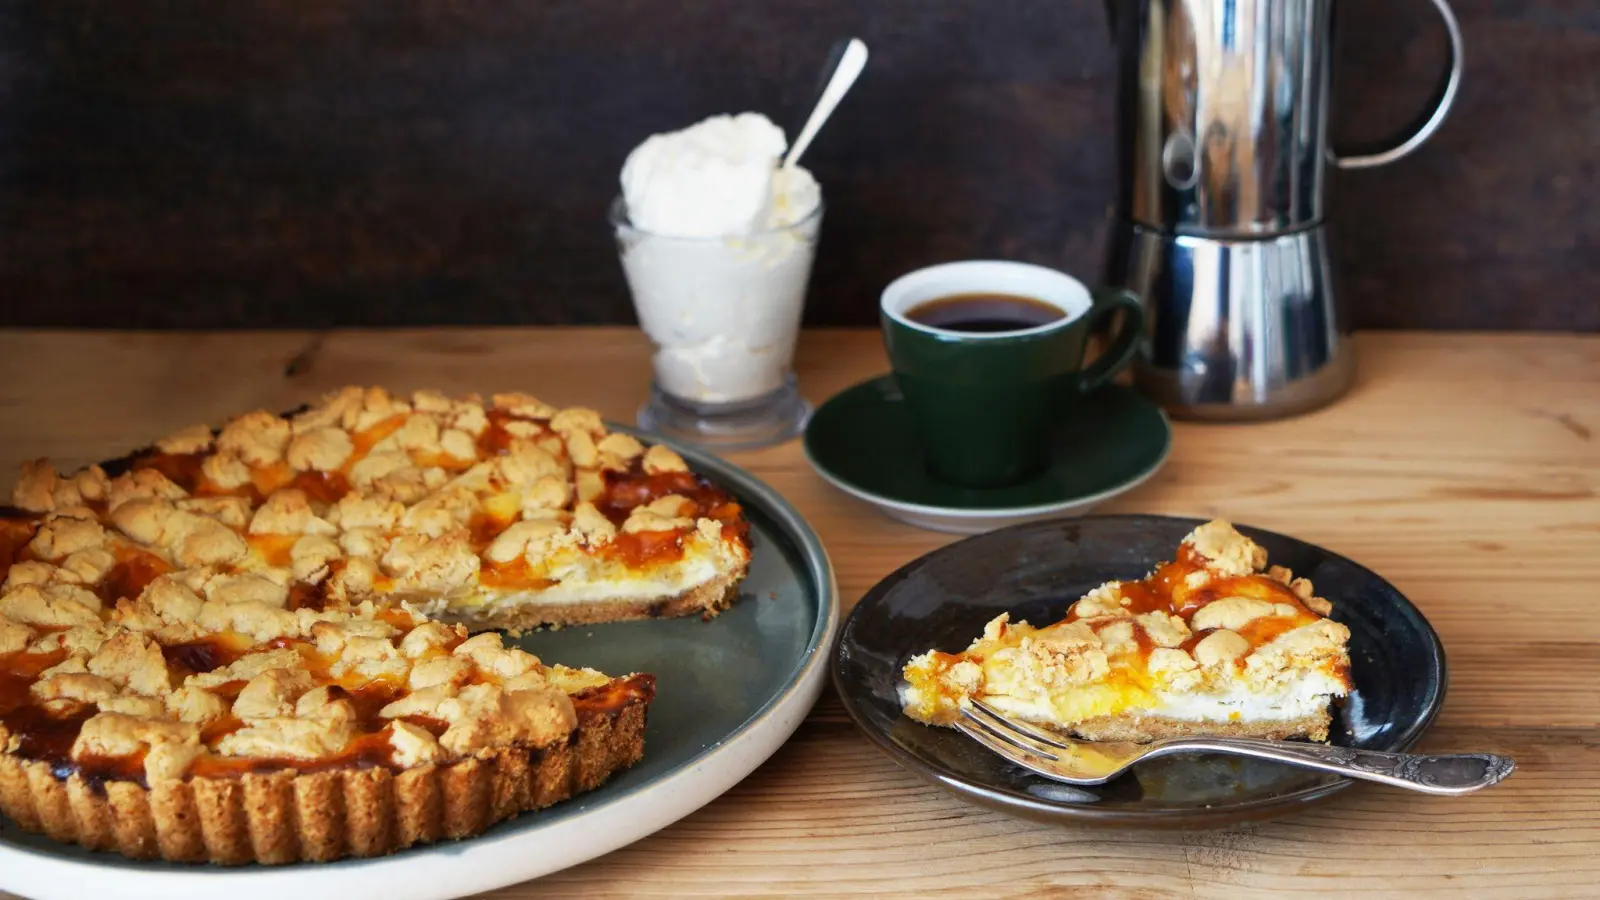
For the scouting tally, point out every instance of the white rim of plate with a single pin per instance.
(952, 512)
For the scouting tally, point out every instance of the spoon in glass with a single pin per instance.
(845, 62)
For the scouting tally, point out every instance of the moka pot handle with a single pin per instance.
(1443, 97)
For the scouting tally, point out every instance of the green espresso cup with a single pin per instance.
(987, 403)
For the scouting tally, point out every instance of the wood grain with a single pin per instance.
(255, 163)
(1464, 468)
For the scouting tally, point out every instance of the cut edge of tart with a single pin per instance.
(251, 644)
(1212, 643)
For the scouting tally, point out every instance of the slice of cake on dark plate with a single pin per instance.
(1214, 643)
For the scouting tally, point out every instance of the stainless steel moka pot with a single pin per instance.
(1221, 212)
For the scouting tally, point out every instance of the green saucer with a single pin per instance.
(863, 442)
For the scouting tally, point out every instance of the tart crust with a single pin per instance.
(1144, 729)
(288, 816)
(708, 599)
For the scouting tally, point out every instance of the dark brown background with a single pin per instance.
(290, 163)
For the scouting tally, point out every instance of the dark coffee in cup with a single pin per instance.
(984, 313)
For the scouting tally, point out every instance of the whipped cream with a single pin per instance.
(717, 178)
(717, 249)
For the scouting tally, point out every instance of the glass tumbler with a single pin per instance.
(722, 315)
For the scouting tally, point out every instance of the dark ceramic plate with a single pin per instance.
(1035, 571)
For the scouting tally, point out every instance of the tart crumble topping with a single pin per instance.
(1214, 638)
(253, 597)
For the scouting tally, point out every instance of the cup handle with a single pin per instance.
(1117, 356)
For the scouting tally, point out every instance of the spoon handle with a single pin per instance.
(1451, 773)
(851, 62)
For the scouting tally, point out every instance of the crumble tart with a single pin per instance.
(252, 644)
(1214, 642)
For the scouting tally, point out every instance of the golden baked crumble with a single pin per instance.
(1209, 641)
(514, 514)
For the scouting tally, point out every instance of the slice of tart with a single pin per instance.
(1212, 643)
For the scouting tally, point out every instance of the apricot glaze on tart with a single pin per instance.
(255, 645)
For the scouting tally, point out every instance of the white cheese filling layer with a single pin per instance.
(586, 580)
(666, 581)
(1308, 695)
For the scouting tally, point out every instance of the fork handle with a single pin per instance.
(1451, 773)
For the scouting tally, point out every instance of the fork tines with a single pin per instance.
(1021, 727)
(1005, 735)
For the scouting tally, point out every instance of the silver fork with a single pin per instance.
(1061, 758)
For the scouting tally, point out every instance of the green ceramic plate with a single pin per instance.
(863, 442)
(728, 693)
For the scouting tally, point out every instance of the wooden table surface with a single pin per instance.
(1464, 468)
